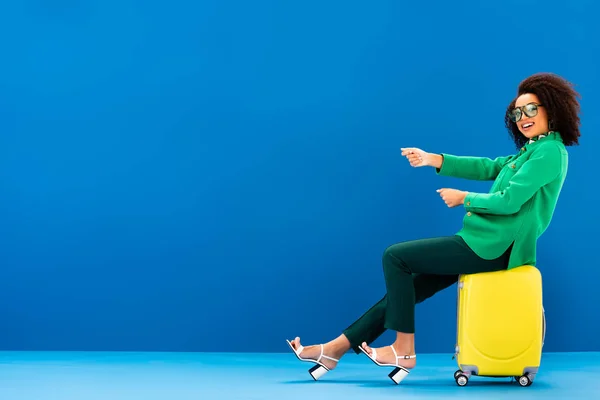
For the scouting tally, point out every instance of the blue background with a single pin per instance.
(223, 175)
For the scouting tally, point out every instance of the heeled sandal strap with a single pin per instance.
(322, 355)
(404, 357)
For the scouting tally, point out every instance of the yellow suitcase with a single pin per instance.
(501, 325)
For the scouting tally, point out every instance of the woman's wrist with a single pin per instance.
(437, 160)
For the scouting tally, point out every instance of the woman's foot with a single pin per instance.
(331, 350)
(385, 355)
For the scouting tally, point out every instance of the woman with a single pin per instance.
(500, 228)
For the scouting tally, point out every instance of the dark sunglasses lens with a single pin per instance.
(515, 115)
(531, 110)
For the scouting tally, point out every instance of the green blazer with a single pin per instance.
(521, 201)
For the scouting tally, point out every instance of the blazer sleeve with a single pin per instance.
(543, 167)
(473, 168)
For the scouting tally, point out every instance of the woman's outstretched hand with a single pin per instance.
(452, 197)
(419, 158)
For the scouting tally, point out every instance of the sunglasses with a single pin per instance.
(531, 110)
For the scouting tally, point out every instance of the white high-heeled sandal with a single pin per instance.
(399, 372)
(319, 369)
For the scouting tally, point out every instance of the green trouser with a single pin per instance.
(414, 271)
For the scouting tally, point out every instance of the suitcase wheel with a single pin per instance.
(461, 379)
(524, 380)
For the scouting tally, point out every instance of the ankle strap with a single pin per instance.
(405, 357)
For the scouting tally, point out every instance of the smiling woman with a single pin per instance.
(531, 117)
(545, 102)
(500, 228)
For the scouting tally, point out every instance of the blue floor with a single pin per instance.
(205, 376)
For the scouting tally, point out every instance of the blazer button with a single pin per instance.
(468, 203)
(469, 213)
(513, 166)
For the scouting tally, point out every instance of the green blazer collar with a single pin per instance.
(552, 135)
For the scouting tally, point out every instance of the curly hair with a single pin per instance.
(560, 101)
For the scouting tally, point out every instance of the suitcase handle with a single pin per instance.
(544, 326)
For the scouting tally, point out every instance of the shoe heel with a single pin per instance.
(398, 374)
(317, 371)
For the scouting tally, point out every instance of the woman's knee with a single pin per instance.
(392, 255)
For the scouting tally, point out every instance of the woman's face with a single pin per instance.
(530, 116)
